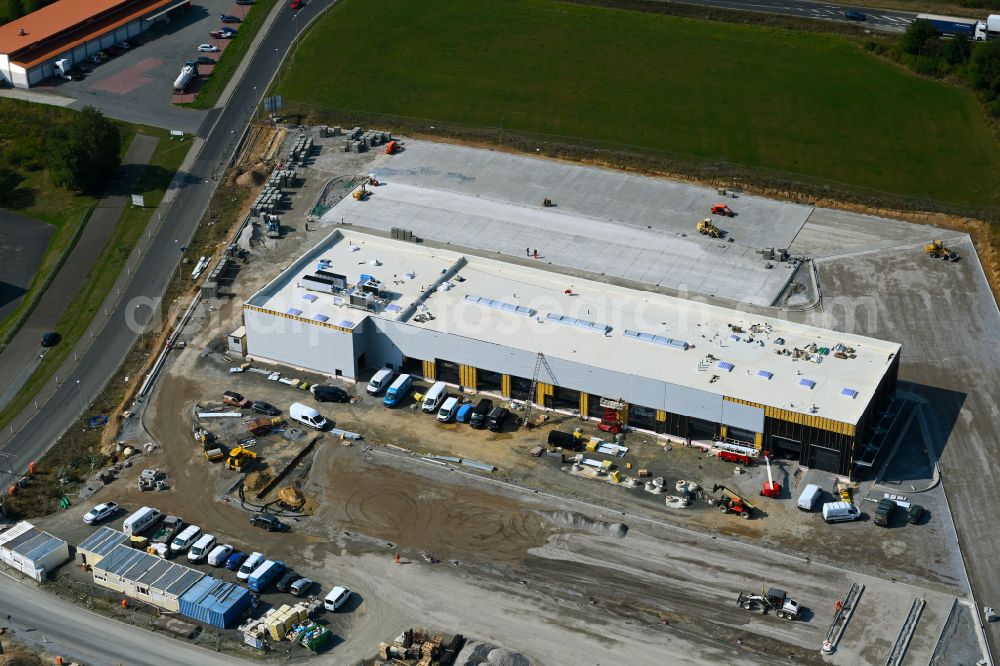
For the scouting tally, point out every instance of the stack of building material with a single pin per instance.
(301, 148)
(281, 621)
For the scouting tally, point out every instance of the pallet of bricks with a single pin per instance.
(414, 646)
(301, 149)
(271, 196)
(360, 141)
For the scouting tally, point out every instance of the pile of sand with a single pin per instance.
(578, 521)
(19, 660)
(486, 654)
(257, 480)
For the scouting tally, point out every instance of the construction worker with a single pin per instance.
(536, 254)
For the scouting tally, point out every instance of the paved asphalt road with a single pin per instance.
(90, 638)
(80, 381)
(879, 19)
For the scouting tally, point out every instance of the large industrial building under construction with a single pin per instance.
(356, 303)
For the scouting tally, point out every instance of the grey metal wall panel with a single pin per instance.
(742, 416)
(299, 344)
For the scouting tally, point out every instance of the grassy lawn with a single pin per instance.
(230, 59)
(804, 103)
(168, 155)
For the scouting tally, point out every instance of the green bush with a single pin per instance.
(919, 37)
(84, 155)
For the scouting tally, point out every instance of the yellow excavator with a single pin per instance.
(706, 228)
(239, 457)
(937, 250)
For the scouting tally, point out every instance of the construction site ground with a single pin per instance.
(546, 546)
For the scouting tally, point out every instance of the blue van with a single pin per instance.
(464, 413)
(399, 390)
(264, 574)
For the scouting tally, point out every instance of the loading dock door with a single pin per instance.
(825, 459)
(789, 449)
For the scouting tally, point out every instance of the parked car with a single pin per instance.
(268, 522)
(205, 60)
(306, 415)
(249, 565)
(219, 555)
(201, 548)
(221, 34)
(124, 46)
(244, 2)
(94, 59)
(301, 587)
(236, 560)
(855, 16)
(480, 412)
(883, 512)
(337, 597)
(208, 48)
(284, 583)
(50, 339)
(226, 18)
(265, 408)
(103, 55)
(100, 512)
(235, 399)
(914, 514)
(330, 394)
(496, 418)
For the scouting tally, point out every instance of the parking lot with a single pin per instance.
(137, 84)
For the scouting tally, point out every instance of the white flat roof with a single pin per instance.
(722, 351)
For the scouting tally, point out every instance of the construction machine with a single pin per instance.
(733, 503)
(937, 250)
(204, 437)
(291, 497)
(239, 457)
(771, 487)
(723, 209)
(547, 203)
(706, 228)
(775, 600)
(610, 421)
(361, 193)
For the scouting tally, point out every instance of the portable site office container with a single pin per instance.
(32, 551)
(215, 602)
(120, 565)
(100, 543)
(163, 584)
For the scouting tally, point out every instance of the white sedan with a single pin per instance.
(208, 48)
(100, 512)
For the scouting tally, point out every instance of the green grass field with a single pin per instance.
(804, 103)
(168, 156)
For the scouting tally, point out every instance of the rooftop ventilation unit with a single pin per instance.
(658, 340)
(336, 279)
(499, 305)
(725, 365)
(848, 393)
(578, 323)
(807, 383)
(361, 299)
(764, 374)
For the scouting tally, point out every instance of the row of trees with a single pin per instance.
(18, 8)
(80, 150)
(977, 63)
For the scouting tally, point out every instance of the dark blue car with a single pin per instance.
(235, 560)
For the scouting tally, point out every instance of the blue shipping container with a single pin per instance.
(949, 25)
(215, 602)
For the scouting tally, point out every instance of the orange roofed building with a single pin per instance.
(73, 30)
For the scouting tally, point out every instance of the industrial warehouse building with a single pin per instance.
(32, 551)
(74, 30)
(164, 584)
(674, 367)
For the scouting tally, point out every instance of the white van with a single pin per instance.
(140, 520)
(184, 540)
(201, 547)
(434, 397)
(337, 597)
(250, 565)
(306, 415)
(809, 496)
(448, 409)
(380, 381)
(840, 512)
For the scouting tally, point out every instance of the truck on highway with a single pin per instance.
(954, 26)
(188, 72)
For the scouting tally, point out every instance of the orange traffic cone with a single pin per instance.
(397, 558)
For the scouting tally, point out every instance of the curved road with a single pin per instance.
(102, 349)
(877, 19)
